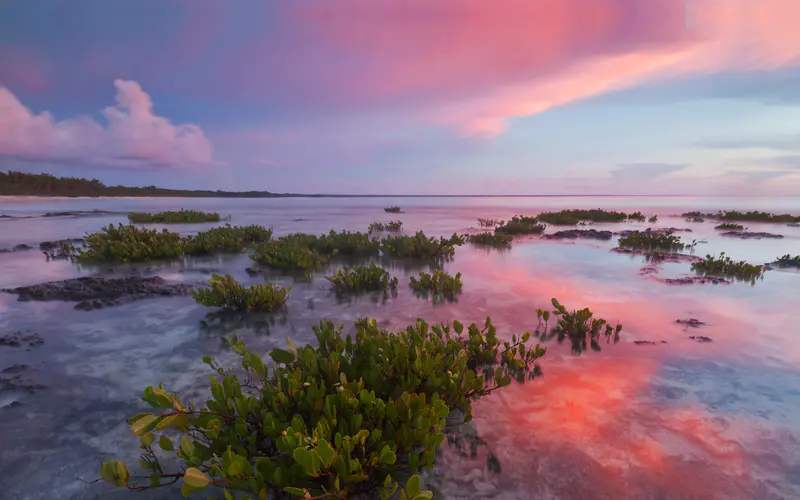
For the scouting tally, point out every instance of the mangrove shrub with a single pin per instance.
(420, 246)
(362, 279)
(342, 419)
(726, 267)
(178, 216)
(520, 225)
(227, 293)
(129, 244)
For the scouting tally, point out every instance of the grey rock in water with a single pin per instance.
(572, 234)
(745, 235)
(93, 292)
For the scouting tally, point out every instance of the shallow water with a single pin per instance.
(676, 420)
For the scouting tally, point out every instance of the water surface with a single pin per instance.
(675, 420)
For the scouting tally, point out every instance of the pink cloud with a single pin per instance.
(134, 134)
(519, 58)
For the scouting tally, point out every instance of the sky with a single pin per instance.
(406, 96)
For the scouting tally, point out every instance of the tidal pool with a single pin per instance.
(671, 419)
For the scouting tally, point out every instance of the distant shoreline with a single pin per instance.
(38, 196)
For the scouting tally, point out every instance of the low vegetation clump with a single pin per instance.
(392, 210)
(651, 240)
(173, 217)
(653, 219)
(342, 420)
(573, 217)
(724, 266)
(129, 244)
(489, 222)
(225, 239)
(293, 252)
(730, 226)
(490, 239)
(577, 326)
(788, 261)
(520, 225)
(227, 293)
(637, 216)
(377, 227)
(753, 216)
(695, 219)
(362, 279)
(437, 283)
(346, 243)
(420, 246)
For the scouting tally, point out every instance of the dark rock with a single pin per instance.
(15, 369)
(658, 256)
(701, 339)
(93, 292)
(745, 235)
(793, 224)
(690, 323)
(20, 339)
(22, 248)
(695, 219)
(696, 280)
(79, 213)
(4, 216)
(252, 271)
(592, 234)
(20, 383)
(648, 342)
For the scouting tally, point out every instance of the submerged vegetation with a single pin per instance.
(520, 225)
(573, 217)
(129, 244)
(227, 293)
(173, 217)
(577, 326)
(292, 252)
(653, 219)
(724, 266)
(420, 246)
(438, 283)
(343, 419)
(394, 225)
(753, 216)
(490, 239)
(346, 243)
(637, 216)
(489, 222)
(362, 279)
(224, 239)
(651, 240)
(392, 210)
(730, 226)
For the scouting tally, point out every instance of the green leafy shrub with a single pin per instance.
(788, 261)
(730, 226)
(335, 421)
(420, 246)
(437, 283)
(224, 239)
(726, 267)
(520, 225)
(293, 252)
(129, 244)
(362, 279)
(490, 222)
(572, 217)
(226, 292)
(651, 240)
(392, 210)
(753, 216)
(394, 225)
(653, 219)
(577, 326)
(173, 217)
(637, 216)
(346, 243)
(490, 239)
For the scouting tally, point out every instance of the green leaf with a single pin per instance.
(457, 326)
(387, 456)
(195, 478)
(109, 471)
(412, 485)
(301, 492)
(165, 444)
(144, 424)
(325, 452)
(308, 460)
(282, 356)
(122, 473)
(148, 439)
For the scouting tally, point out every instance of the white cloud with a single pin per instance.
(133, 136)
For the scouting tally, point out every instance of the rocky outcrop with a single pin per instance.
(26, 339)
(745, 235)
(571, 234)
(93, 292)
